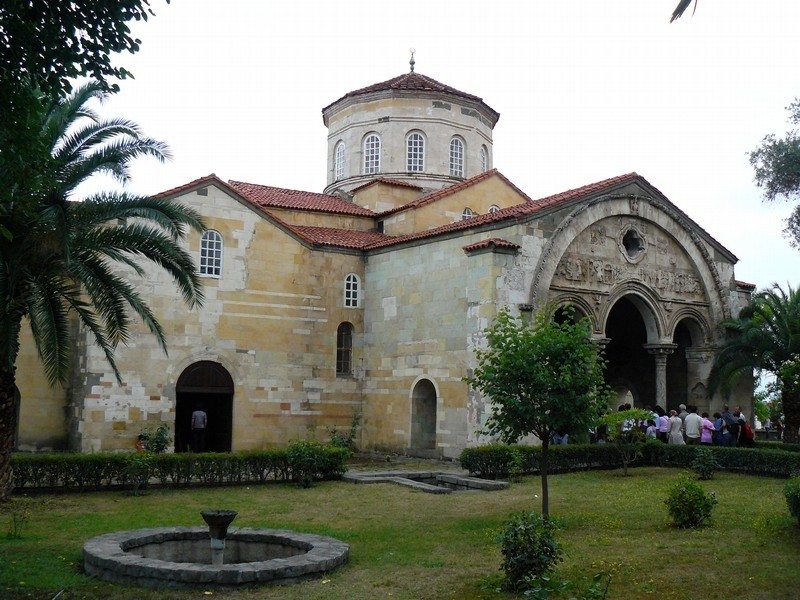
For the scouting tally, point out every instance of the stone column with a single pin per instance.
(660, 353)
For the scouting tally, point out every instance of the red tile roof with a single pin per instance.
(512, 212)
(387, 181)
(745, 285)
(340, 238)
(201, 181)
(265, 196)
(491, 243)
(413, 82)
(453, 189)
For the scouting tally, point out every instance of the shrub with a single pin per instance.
(529, 549)
(688, 503)
(157, 441)
(306, 457)
(345, 439)
(792, 493)
(704, 463)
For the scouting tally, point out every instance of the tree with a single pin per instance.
(61, 259)
(542, 378)
(765, 338)
(776, 162)
(624, 432)
(45, 44)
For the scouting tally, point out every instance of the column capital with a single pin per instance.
(660, 349)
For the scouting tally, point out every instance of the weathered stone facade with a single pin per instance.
(372, 300)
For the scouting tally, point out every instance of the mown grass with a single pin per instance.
(411, 545)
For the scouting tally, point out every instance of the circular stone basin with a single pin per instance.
(173, 557)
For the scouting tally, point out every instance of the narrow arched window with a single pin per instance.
(415, 152)
(352, 291)
(467, 214)
(456, 157)
(483, 157)
(372, 154)
(338, 161)
(210, 263)
(344, 349)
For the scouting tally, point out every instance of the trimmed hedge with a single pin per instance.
(494, 460)
(86, 472)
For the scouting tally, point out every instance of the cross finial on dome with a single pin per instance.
(411, 62)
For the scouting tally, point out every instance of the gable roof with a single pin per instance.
(518, 211)
(386, 181)
(454, 189)
(265, 196)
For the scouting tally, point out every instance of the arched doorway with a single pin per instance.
(423, 417)
(208, 385)
(630, 370)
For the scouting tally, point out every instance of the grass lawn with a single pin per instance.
(412, 545)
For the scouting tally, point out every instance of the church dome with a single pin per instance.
(411, 129)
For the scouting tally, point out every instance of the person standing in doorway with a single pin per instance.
(199, 423)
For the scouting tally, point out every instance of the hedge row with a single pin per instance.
(498, 460)
(85, 472)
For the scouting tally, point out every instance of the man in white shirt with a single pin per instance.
(693, 425)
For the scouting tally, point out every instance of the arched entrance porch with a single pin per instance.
(207, 385)
(647, 365)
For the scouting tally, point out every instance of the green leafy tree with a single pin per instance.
(45, 44)
(542, 378)
(625, 434)
(61, 259)
(776, 162)
(765, 338)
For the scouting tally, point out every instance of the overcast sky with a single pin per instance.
(586, 89)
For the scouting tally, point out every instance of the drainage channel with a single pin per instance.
(431, 482)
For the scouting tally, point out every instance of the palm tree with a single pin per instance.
(766, 338)
(681, 8)
(62, 260)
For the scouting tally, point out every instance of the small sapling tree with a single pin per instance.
(541, 377)
(625, 433)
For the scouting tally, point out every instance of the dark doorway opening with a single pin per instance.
(423, 416)
(209, 386)
(629, 365)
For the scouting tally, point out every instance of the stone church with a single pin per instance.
(369, 298)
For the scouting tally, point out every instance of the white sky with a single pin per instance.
(586, 89)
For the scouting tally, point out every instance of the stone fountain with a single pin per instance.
(179, 557)
(218, 521)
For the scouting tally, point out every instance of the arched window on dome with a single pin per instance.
(352, 291)
(210, 263)
(415, 152)
(468, 213)
(483, 157)
(493, 209)
(338, 161)
(456, 157)
(344, 350)
(372, 154)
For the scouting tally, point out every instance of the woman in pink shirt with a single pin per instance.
(706, 430)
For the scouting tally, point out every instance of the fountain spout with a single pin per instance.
(218, 521)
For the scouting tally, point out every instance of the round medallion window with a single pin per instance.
(633, 245)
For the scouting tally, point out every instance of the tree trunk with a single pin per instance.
(791, 413)
(545, 467)
(8, 428)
